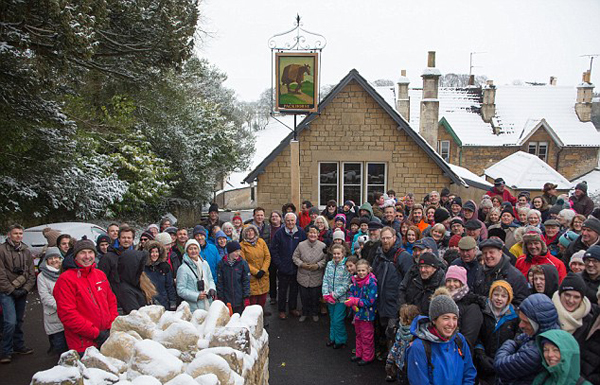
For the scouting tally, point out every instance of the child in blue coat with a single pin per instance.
(336, 283)
(362, 299)
(233, 285)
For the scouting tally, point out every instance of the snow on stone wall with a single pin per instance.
(152, 346)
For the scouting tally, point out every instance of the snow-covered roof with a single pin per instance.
(593, 181)
(524, 171)
(520, 110)
(266, 141)
(472, 179)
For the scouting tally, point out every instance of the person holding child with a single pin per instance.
(336, 283)
(362, 299)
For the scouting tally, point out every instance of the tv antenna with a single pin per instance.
(592, 57)
(471, 66)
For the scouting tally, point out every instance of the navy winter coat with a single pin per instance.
(282, 249)
(161, 276)
(233, 284)
(518, 361)
(504, 270)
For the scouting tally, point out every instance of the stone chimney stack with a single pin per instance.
(488, 107)
(553, 80)
(585, 92)
(430, 105)
(403, 100)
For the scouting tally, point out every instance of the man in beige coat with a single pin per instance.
(310, 257)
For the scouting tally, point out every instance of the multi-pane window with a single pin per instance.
(539, 149)
(356, 181)
(328, 182)
(444, 149)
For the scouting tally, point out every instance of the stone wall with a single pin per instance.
(353, 127)
(574, 162)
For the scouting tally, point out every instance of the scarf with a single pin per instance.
(498, 314)
(49, 272)
(460, 293)
(435, 332)
(571, 321)
(17, 247)
(360, 282)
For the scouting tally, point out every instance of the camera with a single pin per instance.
(200, 284)
(18, 270)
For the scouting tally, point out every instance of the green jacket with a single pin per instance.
(566, 372)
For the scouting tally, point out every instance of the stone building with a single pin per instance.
(478, 126)
(355, 145)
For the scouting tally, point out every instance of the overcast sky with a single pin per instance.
(529, 40)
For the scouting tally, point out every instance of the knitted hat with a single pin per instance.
(467, 243)
(503, 284)
(236, 216)
(429, 259)
(313, 210)
(592, 252)
(440, 215)
(231, 246)
(193, 242)
(355, 221)
(349, 203)
(51, 235)
(340, 217)
(509, 210)
(102, 238)
(555, 209)
(83, 244)
(148, 235)
(469, 205)
(454, 240)
(213, 207)
(164, 238)
(593, 224)
(497, 232)
(339, 234)
(153, 226)
(472, 224)
(577, 257)
(53, 252)
(220, 234)
(572, 282)
(457, 201)
(458, 273)
(567, 238)
(532, 236)
(582, 186)
(441, 304)
(199, 229)
(499, 182)
(486, 203)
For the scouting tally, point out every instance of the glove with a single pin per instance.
(329, 299)
(212, 294)
(19, 293)
(172, 306)
(352, 302)
(246, 302)
(260, 274)
(102, 337)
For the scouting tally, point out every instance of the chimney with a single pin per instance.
(552, 80)
(488, 107)
(403, 100)
(430, 105)
(585, 92)
(471, 80)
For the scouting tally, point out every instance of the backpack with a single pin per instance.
(427, 346)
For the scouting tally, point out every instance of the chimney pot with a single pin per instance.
(471, 80)
(403, 72)
(490, 82)
(431, 59)
(552, 80)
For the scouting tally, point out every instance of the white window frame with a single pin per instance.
(539, 154)
(530, 146)
(441, 144)
(362, 180)
(366, 173)
(322, 206)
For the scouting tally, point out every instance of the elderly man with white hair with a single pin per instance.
(283, 245)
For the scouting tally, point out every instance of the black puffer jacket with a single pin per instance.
(590, 353)
(129, 294)
(470, 320)
(415, 291)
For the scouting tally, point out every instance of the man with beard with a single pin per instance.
(417, 289)
(370, 248)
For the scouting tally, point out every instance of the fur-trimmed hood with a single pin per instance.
(161, 249)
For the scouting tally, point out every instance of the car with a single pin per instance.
(36, 241)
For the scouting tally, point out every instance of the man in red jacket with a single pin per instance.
(85, 303)
(499, 189)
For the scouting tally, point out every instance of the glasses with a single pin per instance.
(143, 239)
(386, 238)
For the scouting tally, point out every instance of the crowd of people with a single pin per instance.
(500, 291)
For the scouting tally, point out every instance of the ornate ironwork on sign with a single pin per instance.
(297, 38)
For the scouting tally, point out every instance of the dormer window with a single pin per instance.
(540, 149)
